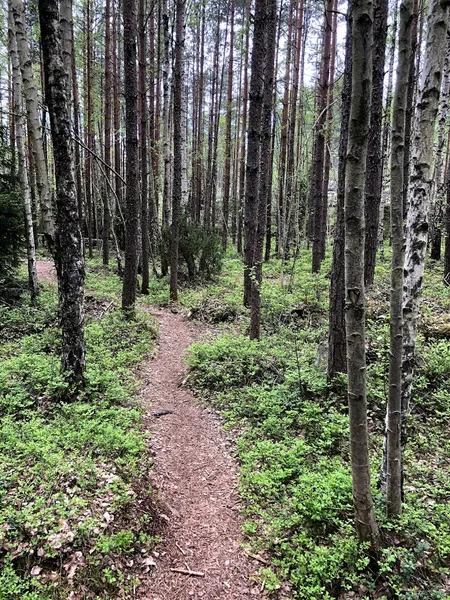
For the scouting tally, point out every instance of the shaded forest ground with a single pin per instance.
(289, 426)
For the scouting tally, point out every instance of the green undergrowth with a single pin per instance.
(292, 436)
(74, 503)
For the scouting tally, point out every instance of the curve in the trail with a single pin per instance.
(195, 480)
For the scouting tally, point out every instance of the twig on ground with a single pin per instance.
(187, 572)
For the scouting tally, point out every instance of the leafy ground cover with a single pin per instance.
(73, 475)
(291, 431)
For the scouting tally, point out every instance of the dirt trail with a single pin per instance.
(195, 479)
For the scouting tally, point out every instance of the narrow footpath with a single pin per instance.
(195, 480)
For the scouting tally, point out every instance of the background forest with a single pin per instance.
(277, 170)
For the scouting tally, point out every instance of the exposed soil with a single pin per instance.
(195, 480)
(46, 271)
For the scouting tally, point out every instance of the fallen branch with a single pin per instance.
(187, 572)
(256, 557)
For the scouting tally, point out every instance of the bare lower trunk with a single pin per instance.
(132, 157)
(35, 130)
(337, 353)
(177, 148)
(393, 446)
(21, 158)
(419, 192)
(69, 241)
(366, 525)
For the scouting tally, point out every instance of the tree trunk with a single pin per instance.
(419, 192)
(252, 186)
(270, 27)
(374, 169)
(358, 134)
(69, 241)
(393, 446)
(166, 116)
(143, 120)
(35, 130)
(240, 210)
(21, 158)
(108, 94)
(132, 157)
(316, 192)
(227, 165)
(177, 147)
(337, 351)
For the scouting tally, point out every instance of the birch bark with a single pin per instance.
(419, 192)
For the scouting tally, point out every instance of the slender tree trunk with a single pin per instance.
(270, 26)
(21, 158)
(143, 120)
(437, 193)
(177, 147)
(76, 126)
(282, 234)
(420, 186)
(89, 134)
(132, 157)
(240, 210)
(166, 116)
(227, 165)
(252, 184)
(108, 94)
(35, 130)
(329, 132)
(69, 241)
(337, 350)
(393, 445)
(358, 135)
(374, 169)
(316, 192)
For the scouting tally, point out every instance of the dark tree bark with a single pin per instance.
(108, 94)
(227, 165)
(374, 169)
(240, 208)
(143, 126)
(89, 132)
(254, 148)
(177, 147)
(337, 351)
(69, 242)
(270, 26)
(132, 157)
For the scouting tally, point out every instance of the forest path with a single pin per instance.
(194, 479)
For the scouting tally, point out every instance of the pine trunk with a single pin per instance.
(177, 147)
(132, 157)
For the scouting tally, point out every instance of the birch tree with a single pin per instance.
(393, 447)
(34, 125)
(69, 257)
(21, 158)
(419, 191)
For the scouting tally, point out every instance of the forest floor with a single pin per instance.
(194, 478)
